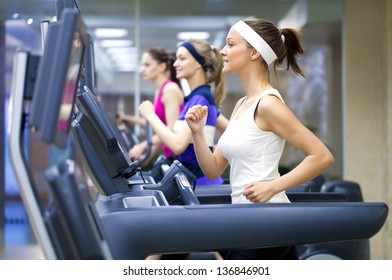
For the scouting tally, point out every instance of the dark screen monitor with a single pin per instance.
(98, 131)
(65, 68)
(44, 76)
(65, 4)
(89, 74)
(31, 75)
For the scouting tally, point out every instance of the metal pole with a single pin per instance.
(2, 129)
(136, 73)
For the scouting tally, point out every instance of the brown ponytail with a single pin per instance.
(291, 39)
(214, 66)
(286, 43)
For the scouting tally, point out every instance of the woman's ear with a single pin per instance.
(163, 66)
(254, 54)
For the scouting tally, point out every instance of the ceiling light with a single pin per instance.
(123, 58)
(110, 32)
(115, 43)
(197, 35)
(126, 67)
(122, 50)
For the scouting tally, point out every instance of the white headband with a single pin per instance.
(255, 41)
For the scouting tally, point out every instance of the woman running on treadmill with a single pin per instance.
(157, 66)
(200, 65)
(253, 142)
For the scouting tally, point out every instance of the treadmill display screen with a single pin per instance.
(71, 84)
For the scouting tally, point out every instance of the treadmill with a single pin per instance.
(131, 220)
(58, 235)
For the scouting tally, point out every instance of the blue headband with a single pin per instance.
(194, 53)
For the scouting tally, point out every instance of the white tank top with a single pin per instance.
(253, 154)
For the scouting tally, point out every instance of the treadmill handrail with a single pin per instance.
(174, 229)
(18, 159)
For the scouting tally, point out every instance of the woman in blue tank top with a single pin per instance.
(200, 65)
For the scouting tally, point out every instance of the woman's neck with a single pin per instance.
(196, 80)
(254, 82)
(158, 82)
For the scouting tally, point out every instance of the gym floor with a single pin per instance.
(19, 240)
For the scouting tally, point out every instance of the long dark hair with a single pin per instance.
(162, 56)
(285, 42)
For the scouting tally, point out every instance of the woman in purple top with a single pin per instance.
(157, 66)
(200, 65)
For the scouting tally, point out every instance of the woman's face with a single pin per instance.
(185, 64)
(150, 67)
(235, 53)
